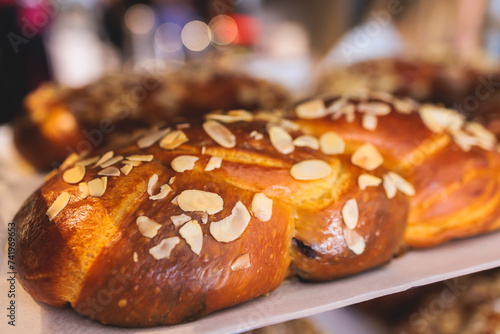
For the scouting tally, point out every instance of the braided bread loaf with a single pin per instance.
(60, 120)
(185, 221)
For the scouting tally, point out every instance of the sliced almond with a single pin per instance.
(331, 143)
(111, 161)
(180, 219)
(152, 183)
(369, 122)
(337, 105)
(199, 200)
(74, 174)
(147, 227)
(192, 233)
(382, 96)
(132, 163)
(135, 257)
(232, 116)
(183, 163)
(281, 140)
(58, 205)
(173, 140)
(389, 187)
(110, 171)
(241, 262)
(367, 157)
(219, 133)
(354, 241)
(97, 187)
(312, 169)
(172, 180)
(233, 226)
(306, 141)
(256, 135)
(438, 119)
(152, 138)
(486, 139)
(88, 161)
(367, 180)
(143, 158)
(350, 214)
(104, 158)
(464, 140)
(84, 189)
(374, 108)
(311, 109)
(349, 110)
(401, 184)
(405, 106)
(164, 248)
(204, 217)
(213, 163)
(262, 207)
(126, 169)
(164, 191)
(175, 200)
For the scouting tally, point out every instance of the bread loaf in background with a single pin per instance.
(186, 221)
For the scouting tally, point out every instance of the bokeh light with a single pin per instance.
(224, 29)
(196, 35)
(139, 19)
(168, 37)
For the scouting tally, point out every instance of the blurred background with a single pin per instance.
(73, 42)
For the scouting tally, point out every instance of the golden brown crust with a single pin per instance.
(102, 264)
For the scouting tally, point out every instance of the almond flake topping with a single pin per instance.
(110, 171)
(389, 186)
(58, 205)
(256, 135)
(171, 181)
(367, 157)
(84, 189)
(374, 108)
(104, 158)
(112, 161)
(233, 226)
(135, 257)
(183, 163)
(219, 133)
(232, 116)
(74, 174)
(147, 227)
(367, 180)
(97, 187)
(152, 138)
(199, 200)
(151, 183)
(281, 140)
(331, 143)
(312, 169)
(306, 141)
(213, 163)
(349, 110)
(401, 184)
(180, 219)
(87, 162)
(311, 109)
(126, 169)
(405, 106)
(369, 122)
(145, 158)
(438, 119)
(337, 105)
(132, 163)
(192, 233)
(173, 140)
(164, 191)
(262, 207)
(164, 248)
(354, 241)
(242, 262)
(350, 214)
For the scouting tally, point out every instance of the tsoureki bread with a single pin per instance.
(59, 120)
(188, 220)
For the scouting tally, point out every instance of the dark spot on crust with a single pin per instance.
(306, 250)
